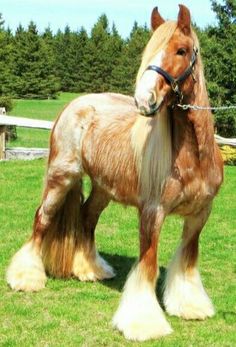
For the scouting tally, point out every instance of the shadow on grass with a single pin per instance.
(123, 265)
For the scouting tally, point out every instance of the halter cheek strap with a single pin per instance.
(174, 82)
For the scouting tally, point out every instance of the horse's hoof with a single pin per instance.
(91, 268)
(140, 326)
(26, 271)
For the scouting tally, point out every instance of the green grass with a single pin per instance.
(37, 109)
(72, 313)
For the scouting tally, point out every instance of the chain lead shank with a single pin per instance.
(197, 108)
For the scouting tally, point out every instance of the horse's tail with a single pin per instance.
(64, 234)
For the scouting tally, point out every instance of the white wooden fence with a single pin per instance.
(222, 141)
(32, 153)
(19, 152)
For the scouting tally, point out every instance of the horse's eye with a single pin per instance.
(181, 51)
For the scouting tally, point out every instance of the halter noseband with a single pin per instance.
(174, 82)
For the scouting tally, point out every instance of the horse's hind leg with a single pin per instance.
(184, 294)
(26, 271)
(57, 226)
(88, 265)
(139, 315)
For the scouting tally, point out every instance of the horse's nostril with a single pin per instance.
(153, 108)
(152, 101)
(142, 110)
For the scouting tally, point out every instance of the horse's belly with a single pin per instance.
(119, 189)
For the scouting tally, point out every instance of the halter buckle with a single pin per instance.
(176, 90)
(175, 86)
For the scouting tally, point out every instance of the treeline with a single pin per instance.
(34, 65)
(38, 65)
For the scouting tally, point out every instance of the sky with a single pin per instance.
(76, 13)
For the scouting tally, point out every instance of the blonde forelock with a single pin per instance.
(158, 41)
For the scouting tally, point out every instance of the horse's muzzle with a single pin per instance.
(150, 109)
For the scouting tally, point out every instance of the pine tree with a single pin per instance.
(219, 54)
(115, 50)
(48, 42)
(79, 64)
(63, 59)
(125, 72)
(1, 23)
(58, 49)
(48, 37)
(99, 58)
(33, 65)
(6, 45)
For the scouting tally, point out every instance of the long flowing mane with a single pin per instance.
(151, 139)
(201, 85)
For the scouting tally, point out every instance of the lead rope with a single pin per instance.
(196, 107)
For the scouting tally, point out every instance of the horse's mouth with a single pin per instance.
(152, 110)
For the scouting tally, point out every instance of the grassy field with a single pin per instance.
(72, 313)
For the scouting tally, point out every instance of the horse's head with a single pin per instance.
(166, 72)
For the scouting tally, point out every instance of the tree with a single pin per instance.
(126, 69)
(33, 65)
(64, 58)
(80, 65)
(48, 43)
(98, 56)
(219, 54)
(1, 23)
(115, 46)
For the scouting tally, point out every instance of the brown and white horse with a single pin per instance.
(164, 164)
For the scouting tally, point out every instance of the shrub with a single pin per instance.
(229, 155)
(6, 101)
(226, 123)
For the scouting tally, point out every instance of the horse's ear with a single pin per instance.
(156, 19)
(184, 19)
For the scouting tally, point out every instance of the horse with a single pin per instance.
(147, 151)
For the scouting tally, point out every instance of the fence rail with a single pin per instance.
(32, 153)
(21, 152)
(25, 122)
(222, 141)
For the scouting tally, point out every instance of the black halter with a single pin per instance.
(174, 82)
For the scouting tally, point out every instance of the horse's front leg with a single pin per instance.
(139, 315)
(184, 294)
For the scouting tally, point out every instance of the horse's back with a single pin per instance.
(105, 109)
(111, 104)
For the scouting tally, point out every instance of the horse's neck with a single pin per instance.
(194, 135)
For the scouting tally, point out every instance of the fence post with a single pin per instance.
(2, 136)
